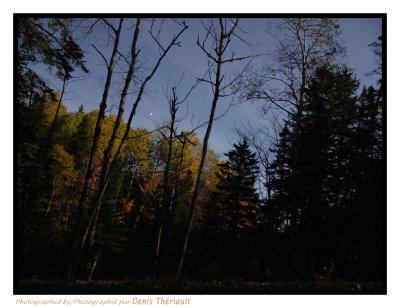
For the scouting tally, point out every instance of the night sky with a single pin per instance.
(357, 34)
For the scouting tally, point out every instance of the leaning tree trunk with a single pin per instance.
(77, 251)
(217, 83)
(163, 213)
(117, 124)
(53, 126)
(113, 161)
(108, 166)
(171, 214)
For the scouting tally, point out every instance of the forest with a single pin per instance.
(102, 202)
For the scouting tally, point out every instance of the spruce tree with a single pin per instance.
(232, 215)
(237, 196)
(312, 186)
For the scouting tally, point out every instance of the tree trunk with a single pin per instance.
(128, 80)
(163, 214)
(77, 251)
(54, 122)
(172, 213)
(108, 166)
(107, 152)
(192, 211)
(100, 119)
(132, 115)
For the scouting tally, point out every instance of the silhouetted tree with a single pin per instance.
(237, 199)
(215, 47)
(322, 180)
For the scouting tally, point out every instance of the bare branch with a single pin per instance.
(206, 81)
(163, 135)
(109, 25)
(157, 41)
(193, 87)
(205, 51)
(140, 93)
(146, 133)
(232, 59)
(234, 25)
(99, 52)
(123, 57)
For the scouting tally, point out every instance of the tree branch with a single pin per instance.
(109, 25)
(104, 58)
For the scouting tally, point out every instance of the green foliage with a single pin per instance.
(49, 42)
(62, 167)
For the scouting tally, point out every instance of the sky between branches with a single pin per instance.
(188, 61)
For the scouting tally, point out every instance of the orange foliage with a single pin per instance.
(244, 203)
(126, 207)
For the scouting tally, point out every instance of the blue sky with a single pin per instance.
(357, 34)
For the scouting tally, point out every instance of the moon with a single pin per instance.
(151, 113)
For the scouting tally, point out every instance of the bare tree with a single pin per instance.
(169, 201)
(108, 162)
(100, 118)
(132, 64)
(173, 109)
(77, 246)
(215, 46)
(184, 139)
(301, 45)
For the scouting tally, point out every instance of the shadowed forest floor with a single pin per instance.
(196, 285)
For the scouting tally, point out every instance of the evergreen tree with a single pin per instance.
(237, 196)
(232, 217)
(45, 41)
(310, 196)
(365, 209)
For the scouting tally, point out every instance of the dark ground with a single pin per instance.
(213, 286)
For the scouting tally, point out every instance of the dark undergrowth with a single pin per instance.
(151, 285)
